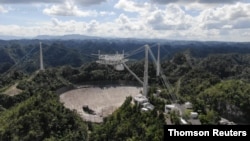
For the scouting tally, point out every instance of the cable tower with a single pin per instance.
(41, 57)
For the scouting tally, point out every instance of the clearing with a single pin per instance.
(13, 90)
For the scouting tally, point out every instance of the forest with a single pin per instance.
(214, 76)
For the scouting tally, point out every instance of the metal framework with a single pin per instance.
(41, 57)
(118, 61)
(145, 84)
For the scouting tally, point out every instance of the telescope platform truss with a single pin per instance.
(116, 60)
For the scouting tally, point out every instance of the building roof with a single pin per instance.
(170, 106)
(140, 98)
(148, 106)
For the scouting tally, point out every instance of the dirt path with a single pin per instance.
(13, 90)
(103, 100)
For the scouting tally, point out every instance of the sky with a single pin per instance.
(202, 20)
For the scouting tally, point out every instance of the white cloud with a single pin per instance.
(129, 25)
(170, 18)
(81, 2)
(195, 7)
(55, 21)
(131, 6)
(66, 27)
(194, 1)
(123, 26)
(238, 16)
(28, 1)
(246, 34)
(218, 1)
(122, 19)
(107, 13)
(242, 23)
(89, 2)
(3, 10)
(71, 9)
(53, 27)
(10, 29)
(227, 26)
(145, 20)
(92, 26)
(169, 1)
(68, 9)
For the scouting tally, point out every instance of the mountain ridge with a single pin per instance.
(86, 37)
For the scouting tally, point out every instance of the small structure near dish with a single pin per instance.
(140, 99)
(188, 105)
(148, 106)
(193, 115)
(144, 109)
(171, 107)
(143, 102)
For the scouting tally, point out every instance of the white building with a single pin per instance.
(140, 99)
(188, 105)
(193, 115)
(148, 106)
(144, 109)
(170, 107)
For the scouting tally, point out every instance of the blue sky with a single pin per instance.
(217, 20)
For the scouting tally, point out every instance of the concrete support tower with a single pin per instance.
(41, 57)
(145, 82)
(158, 62)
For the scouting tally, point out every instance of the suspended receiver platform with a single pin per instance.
(115, 60)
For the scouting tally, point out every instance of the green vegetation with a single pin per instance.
(37, 114)
(230, 98)
(41, 117)
(210, 118)
(214, 77)
(129, 123)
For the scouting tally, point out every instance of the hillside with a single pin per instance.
(41, 117)
(25, 53)
(213, 76)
